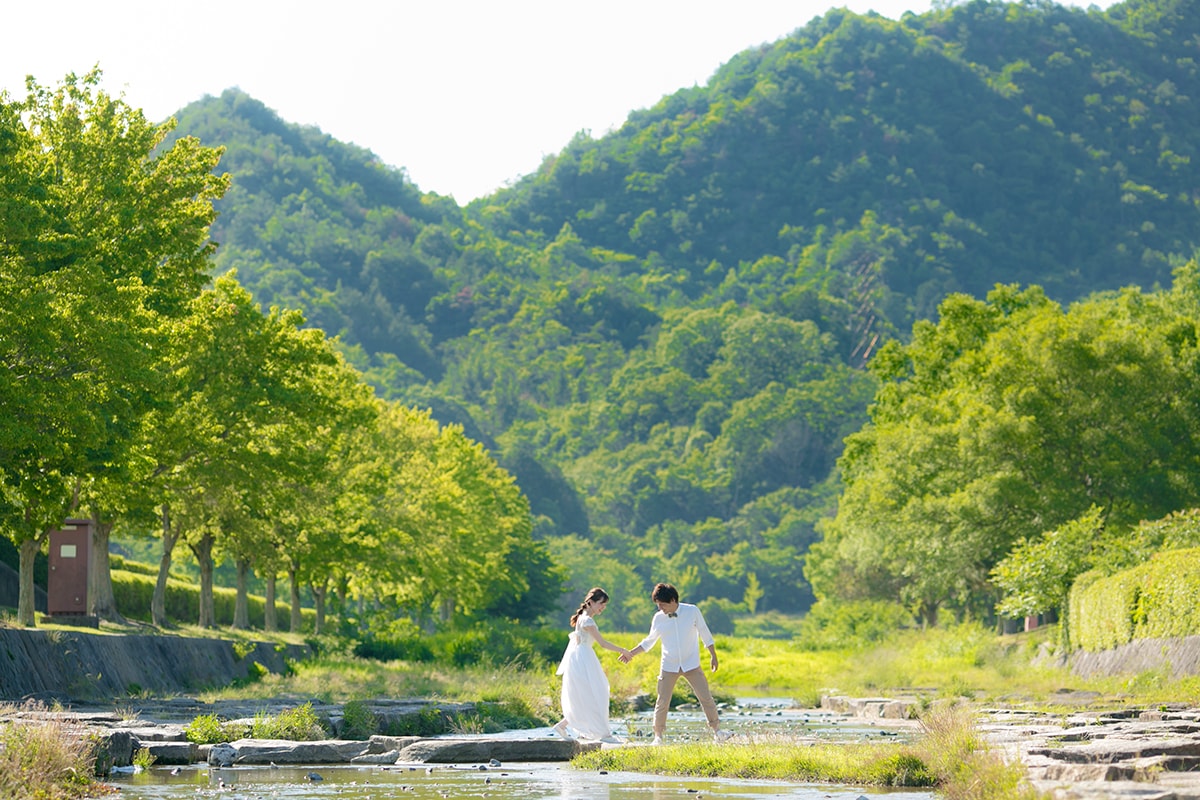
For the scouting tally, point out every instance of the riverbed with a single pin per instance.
(749, 721)
(530, 781)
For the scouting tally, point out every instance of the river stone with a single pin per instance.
(451, 751)
(113, 749)
(279, 751)
(1109, 751)
(221, 755)
(381, 744)
(171, 752)
(389, 757)
(155, 733)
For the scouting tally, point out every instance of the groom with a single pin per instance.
(679, 626)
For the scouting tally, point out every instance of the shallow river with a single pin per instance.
(520, 781)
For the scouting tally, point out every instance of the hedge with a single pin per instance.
(1154, 600)
(133, 591)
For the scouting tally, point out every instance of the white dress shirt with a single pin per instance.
(679, 634)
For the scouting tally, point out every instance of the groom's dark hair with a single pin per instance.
(665, 593)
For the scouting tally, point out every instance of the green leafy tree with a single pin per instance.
(1006, 420)
(114, 237)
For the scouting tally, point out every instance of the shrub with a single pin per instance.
(143, 758)
(719, 614)
(394, 649)
(358, 721)
(499, 643)
(830, 626)
(211, 729)
(427, 722)
(296, 724)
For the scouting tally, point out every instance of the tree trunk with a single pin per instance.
(320, 591)
(294, 581)
(270, 624)
(241, 606)
(203, 552)
(100, 599)
(25, 598)
(341, 592)
(158, 603)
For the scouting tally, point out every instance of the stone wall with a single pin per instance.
(96, 667)
(1180, 656)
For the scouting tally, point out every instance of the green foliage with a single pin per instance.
(430, 721)
(409, 648)
(1152, 600)
(299, 724)
(358, 721)
(211, 729)
(1036, 576)
(1006, 420)
(496, 642)
(143, 758)
(861, 765)
(490, 643)
(838, 626)
(133, 591)
(660, 333)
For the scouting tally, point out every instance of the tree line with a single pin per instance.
(661, 332)
(1015, 444)
(154, 400)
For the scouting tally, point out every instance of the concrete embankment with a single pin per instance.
(81, 666)
(1179, 657)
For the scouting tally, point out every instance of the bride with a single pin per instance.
(585, 686)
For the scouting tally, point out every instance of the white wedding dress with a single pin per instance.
(584, 686)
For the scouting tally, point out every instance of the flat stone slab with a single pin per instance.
(453, 751)
(1110, 751)
(1112, 755)
(171, 752)
(279, 751)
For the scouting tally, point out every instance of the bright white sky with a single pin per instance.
(465, 95)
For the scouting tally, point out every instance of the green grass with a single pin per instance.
(950, 755)
(858, 764)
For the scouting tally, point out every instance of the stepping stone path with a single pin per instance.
(1131, 754)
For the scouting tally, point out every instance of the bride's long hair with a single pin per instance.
(595, 595)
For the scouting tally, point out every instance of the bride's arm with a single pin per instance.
(607, 645)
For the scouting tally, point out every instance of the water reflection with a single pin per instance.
(525, 781)
(518, 782)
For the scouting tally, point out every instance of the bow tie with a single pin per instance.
(673, 614)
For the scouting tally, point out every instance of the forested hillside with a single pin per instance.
(662, 332)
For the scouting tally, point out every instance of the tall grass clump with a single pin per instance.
(299, 724)
(966, 768)
(211, 729)
(46, 759)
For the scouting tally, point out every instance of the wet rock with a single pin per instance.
(221, 755)
(325, 751)
(388, 757)
(451, 751)
(172, 752)
(112, 750)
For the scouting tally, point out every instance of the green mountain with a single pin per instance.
(662, 332)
